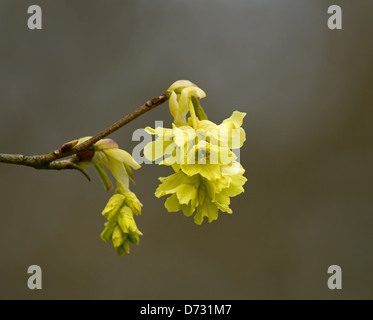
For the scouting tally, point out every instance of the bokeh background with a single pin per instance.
(307, 92)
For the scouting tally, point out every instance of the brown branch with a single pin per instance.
(35, 162)
(48, 161)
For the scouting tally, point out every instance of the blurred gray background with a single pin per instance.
(307, 92)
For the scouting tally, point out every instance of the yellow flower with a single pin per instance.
(107, 153)
(207, 172)
(195, 192)
(206, 141)
(179, 95)
(118, 161)
(121, 227)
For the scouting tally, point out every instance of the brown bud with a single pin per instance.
(84, 156)
(68, 146)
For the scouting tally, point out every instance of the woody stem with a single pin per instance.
(48, 161)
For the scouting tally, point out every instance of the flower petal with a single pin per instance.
(174, 182)
(106, 144)
(155, 150)
(122, 156)
(113, 206)
(207, 209)
(102, 174)
(119, 172)
(208, 171)
(133, 202)
(172, 204)
(181, 84)
(117, 237)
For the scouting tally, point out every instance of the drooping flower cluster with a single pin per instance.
(207, 172)
(121, 227)
(123, 205)
(203, 155)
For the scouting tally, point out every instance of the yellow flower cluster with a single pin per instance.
(123, 205)
(121, 227)
(207, 172)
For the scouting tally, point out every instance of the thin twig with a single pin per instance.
(48, 161)
(34, 162)
(151, 104)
